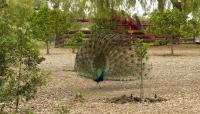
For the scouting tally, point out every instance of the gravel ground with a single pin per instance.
(176, 78)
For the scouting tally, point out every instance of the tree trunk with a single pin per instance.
(18, 84)
(19, 75)
(161, 5)
(47, 46)
(73, 50)
(194, 38)
(141, 82)
(172, 46)
(17, 102)
(56, 41)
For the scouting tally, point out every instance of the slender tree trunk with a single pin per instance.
(172, 46)
(19, 75)
(194, 38)
(141, 82)
(161, 5)
(17, 90)
(57, 41)
(73, 50)
(47, 46)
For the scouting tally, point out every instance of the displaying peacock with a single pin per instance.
(111, 51)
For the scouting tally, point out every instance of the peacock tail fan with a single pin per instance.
(108, 51)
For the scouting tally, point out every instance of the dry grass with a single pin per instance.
(176, 78)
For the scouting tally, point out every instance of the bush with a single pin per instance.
(64, 110)
(76, 40)
(20, 76)
(79, 97)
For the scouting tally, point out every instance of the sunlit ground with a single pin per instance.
(176, 78)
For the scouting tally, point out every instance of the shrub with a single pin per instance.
(76, 40)
(64, 110)
(79, 97)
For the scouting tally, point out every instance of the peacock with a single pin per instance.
(111, 51)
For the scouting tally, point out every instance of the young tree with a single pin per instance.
(168, 23)
(47, 23)
(60, 24)
(41, 25)
(20, 76)
(140, 49)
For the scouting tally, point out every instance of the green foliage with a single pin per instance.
(105, 23)
(167, 23)
(76, 40)
(3, 3)
(192, 29)
(141, 48)
(64, 110)
(20, 76)
(141, 52)
(187, 6)
(105, 8)
(47, 23)
(41, 24)
(28, 111)
(102, 24)
(79, 97)
(59, 21)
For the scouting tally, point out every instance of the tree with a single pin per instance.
(60, 24)
(47, 23)
(168, 23)
(141, 53)
(41, 26)
(186, 6)
(192, 27)
(20, 76)
(105, 7)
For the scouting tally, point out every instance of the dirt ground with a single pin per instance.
(176, 78)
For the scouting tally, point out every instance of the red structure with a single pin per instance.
(133, 27)
(130, 25)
